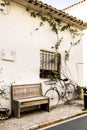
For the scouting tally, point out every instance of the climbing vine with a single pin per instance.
(74, 34)
(56, 26)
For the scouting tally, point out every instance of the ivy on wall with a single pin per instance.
(56, 26)
(4, 6)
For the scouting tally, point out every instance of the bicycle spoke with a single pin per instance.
(54, 97)
(70, 92)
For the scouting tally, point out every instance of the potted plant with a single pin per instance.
(4, 112)
(3, 90)
(79, 92)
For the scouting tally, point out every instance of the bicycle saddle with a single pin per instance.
(64, 79)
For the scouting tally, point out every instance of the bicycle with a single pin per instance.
(64, 89)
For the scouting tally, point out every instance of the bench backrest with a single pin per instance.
(26, 91)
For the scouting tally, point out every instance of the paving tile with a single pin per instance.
(40, 117)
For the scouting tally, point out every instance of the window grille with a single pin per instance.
(49, 62)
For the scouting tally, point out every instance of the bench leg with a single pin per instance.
(45, 107)
(17, 109)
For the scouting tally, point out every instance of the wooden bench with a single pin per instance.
(27, 95)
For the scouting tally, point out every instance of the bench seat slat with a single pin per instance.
(33, 103)
(32, 99)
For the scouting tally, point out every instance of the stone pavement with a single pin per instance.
(33, 120)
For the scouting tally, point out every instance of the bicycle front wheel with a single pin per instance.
(70, 92)
(54, 97)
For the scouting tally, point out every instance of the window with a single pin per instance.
(49, 63)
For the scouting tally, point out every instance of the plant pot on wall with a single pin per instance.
(4, 113)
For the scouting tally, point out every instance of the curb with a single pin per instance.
(50, 122)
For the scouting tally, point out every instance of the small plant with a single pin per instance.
(78, 91)
(55, 76)
(3, 90)
(3, 95)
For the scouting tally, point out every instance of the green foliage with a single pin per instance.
(74, 32)
(66, 55)
(3, 90)
(41, 23)
(65, 27)
(55, 25)
(58, 43)
(36, 29)
(55, 76)
(33, 14)
(3, 93)
(78, 91)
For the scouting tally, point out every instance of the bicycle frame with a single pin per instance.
(65, 89)
(61, 90)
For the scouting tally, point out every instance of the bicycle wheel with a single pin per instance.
(54, 96)
(70, 92)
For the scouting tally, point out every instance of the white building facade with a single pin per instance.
(22, 38)
(79, 10)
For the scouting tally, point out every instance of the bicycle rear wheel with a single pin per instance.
(54, 96)
(70, 92)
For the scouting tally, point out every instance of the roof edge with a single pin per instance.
(57, 14)
(73, 5)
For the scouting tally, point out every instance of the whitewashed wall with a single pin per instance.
(80, 11)
(17, 44)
